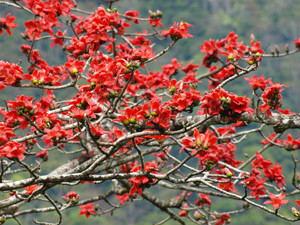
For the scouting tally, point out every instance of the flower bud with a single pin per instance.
(287, 49)
(295, 212)
(277, 49)
(198, 216)
(172, 90)
(228, 172)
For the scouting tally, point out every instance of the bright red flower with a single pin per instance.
(172, 68)
(5, 133)
(42, 154)
(132, 14)
(87, 210)
(71, 196)
(275, 174)
(154, 18)
(272, 97)
(10, 74)
(7, 23)
(203, 141)
(12, 150)
(291, 144)
(139, 182)
(255, 184)
(298, 202)
(58, 38)
(123, 198)
(224, 219)
(74, 66)
(203, 200)
(297, 43)
(177, 31)
(226, 104)
(256, 82)
(30, 189)
(276, 201)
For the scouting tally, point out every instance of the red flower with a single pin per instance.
(203, 200)
(291, 144)
(87, 210)
(178, 31)
(154, 18)
(7, 23)
(139, 182)
(172, 68)
(275, 174)
(256, 185)
(30, 189)
(10, 73)
(132, 14)
(298, 202)
(276, 202)
(226, 104)
(182, 213)
(256, 82)
(271, 97)
(42, 154)
(225, 218)
(71, 196)
(58, 39)
(297, 43)
(202, 141)
(74, 66)
(12, 150)
(123, 198)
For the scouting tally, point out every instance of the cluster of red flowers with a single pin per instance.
(255, 183)
(231, 48)
(228, 105)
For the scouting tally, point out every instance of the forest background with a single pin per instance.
(272, 22)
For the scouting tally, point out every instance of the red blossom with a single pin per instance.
(132, 14)
(42, 154)
(12, 150)
(297, 43)
(71, 196)
(123, 198)
(58, 39)
(226, 104)
(87, 210)
(276, 201)
(139, 182)
(256, 82)
(203, 200)
(6, 23)
(177, 31)
(223, 219)
(271, 97)
(201, 141)
(30, 189)
(290, 144)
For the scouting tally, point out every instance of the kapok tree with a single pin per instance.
(131, 129)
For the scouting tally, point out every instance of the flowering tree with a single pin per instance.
(132, 129)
